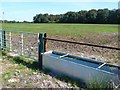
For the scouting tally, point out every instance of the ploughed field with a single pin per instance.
(100, 34)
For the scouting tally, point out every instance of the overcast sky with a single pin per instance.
(21, 10)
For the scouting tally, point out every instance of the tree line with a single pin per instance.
(13, 21)
(100, 16)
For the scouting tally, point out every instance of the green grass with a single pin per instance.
(19, 66)
(61, 29)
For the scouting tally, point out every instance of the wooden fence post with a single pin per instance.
(44, 42)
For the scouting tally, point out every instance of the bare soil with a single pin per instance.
(101, 54)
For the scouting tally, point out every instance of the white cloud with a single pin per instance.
(59, 0)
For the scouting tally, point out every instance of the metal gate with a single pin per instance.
(28, 44)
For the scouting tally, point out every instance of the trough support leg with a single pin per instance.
(41, 48)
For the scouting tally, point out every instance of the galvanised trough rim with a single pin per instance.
(84, 59)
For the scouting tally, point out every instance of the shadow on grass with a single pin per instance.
(28, 63)
(34, 66)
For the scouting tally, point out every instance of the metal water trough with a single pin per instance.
(82, 68)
